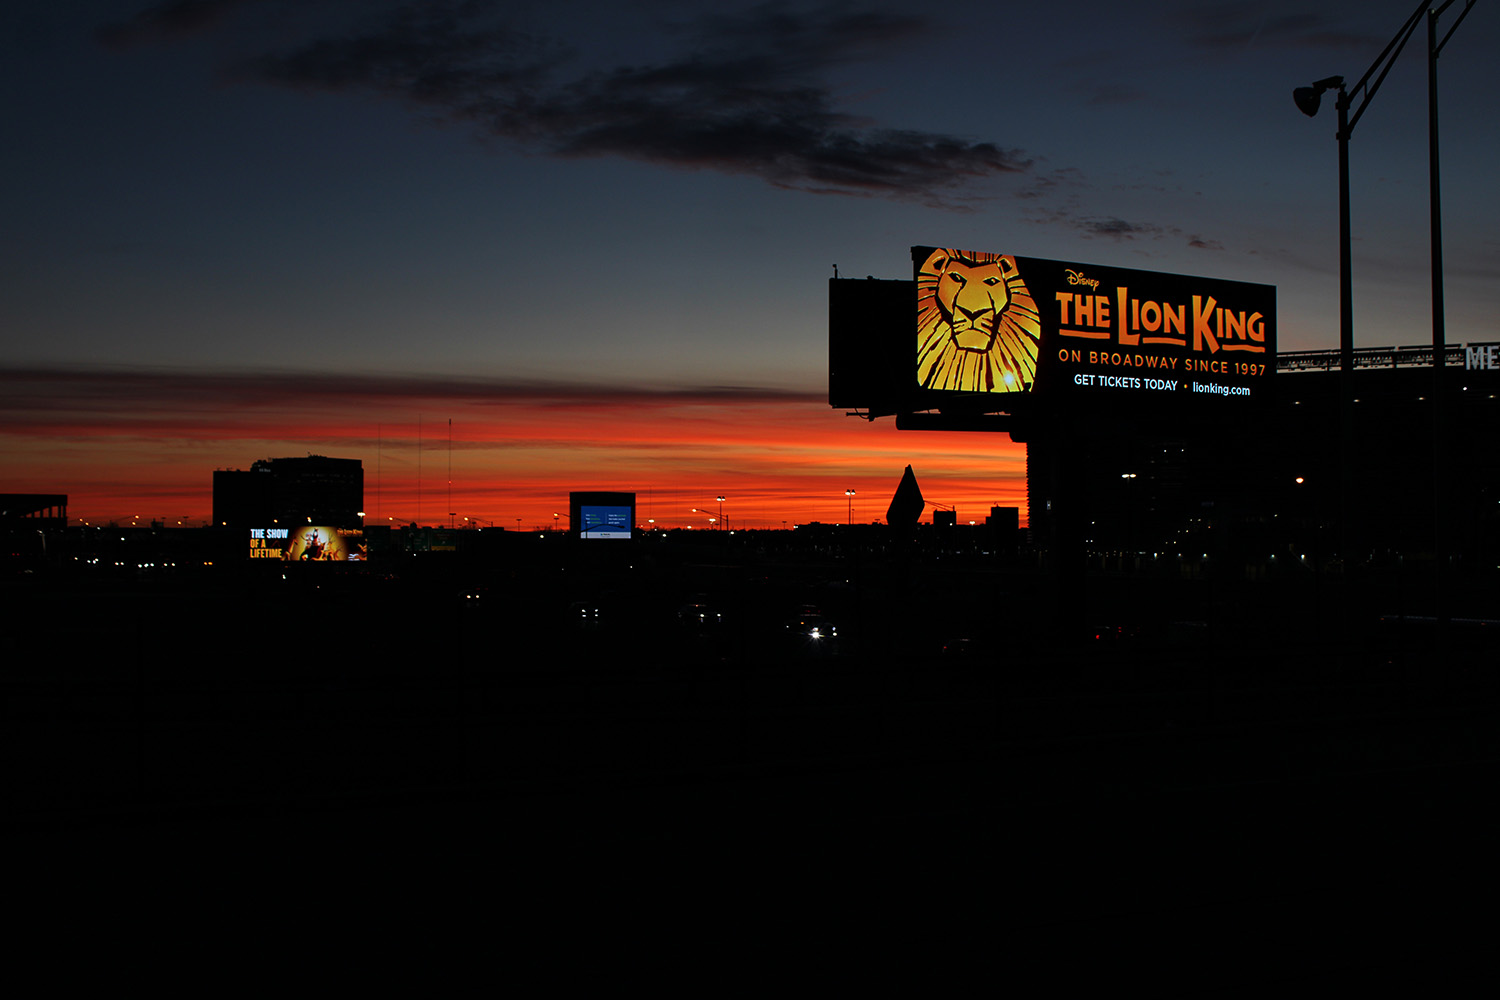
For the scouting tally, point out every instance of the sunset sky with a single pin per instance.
(597, 237)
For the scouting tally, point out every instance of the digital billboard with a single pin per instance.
(602, 515)
(605, 522)
(996, 324)
(308, 543)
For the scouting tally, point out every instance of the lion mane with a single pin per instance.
(978, 329)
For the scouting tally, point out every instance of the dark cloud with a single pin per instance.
(438, 55)
(1119, 229)
(169, 21)
(745, 94)
(813, 38)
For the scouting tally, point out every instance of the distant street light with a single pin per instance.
(721, 512)
(850, 495)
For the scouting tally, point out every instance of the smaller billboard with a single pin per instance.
(604, 522)
(308, 543)
(602, 515)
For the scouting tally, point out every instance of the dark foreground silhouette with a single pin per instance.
(721, 755)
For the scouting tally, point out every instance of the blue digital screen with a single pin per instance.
(604, 522)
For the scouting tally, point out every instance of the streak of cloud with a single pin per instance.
(1113, 227)
(1241, 24)
(133, 395)
(170, 21)
(1118, 229)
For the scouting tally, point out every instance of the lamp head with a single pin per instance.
(1308, 99)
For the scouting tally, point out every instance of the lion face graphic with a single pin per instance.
(978, 329)
(971, 297)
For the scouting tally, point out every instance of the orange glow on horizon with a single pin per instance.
(777, 461)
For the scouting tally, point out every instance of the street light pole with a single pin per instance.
(850, 495)
(1307, 99)
(1346, 344)
(1346, 253)
(1439, 330)
(1439, 322)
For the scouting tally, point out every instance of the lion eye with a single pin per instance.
(992, 280)
(958, 278)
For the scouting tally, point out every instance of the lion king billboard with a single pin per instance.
(991, 323)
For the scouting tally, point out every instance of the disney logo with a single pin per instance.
(1077, 278)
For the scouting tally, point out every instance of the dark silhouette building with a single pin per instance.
(1254, 487)
(315, 489)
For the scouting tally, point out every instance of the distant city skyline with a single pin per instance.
(241, 229)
